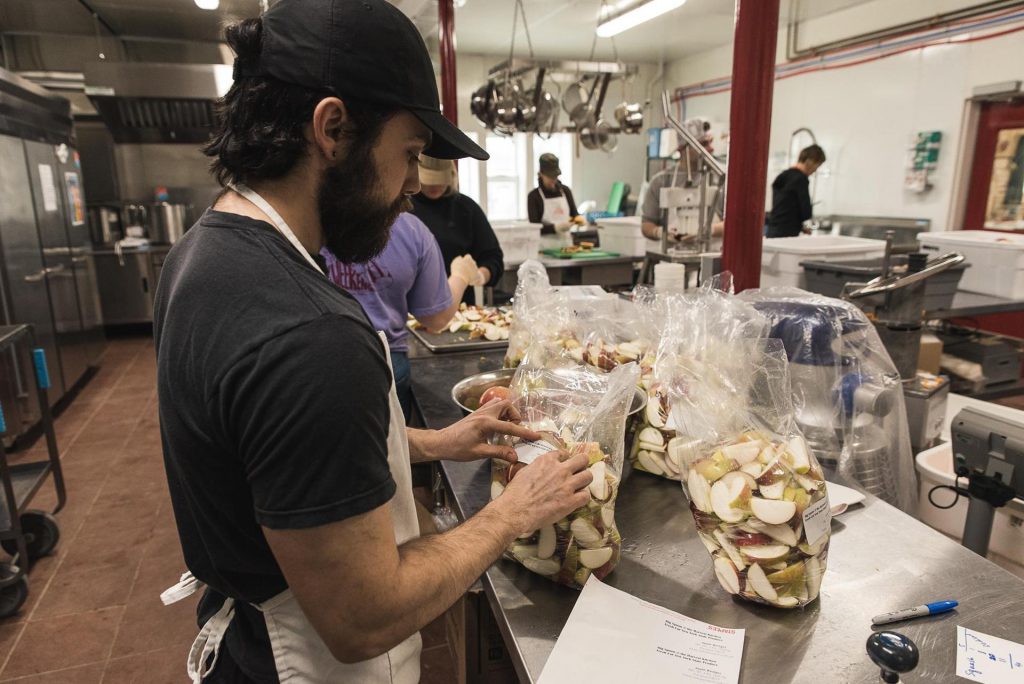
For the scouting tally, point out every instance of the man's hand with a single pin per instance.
(547, 490)
(579, 220)
(467, 440)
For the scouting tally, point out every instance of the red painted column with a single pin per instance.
(750, 118)
(446, 29)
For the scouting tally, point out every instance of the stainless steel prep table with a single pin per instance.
(606, 272)
(880, 560)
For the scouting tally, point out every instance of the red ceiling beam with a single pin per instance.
(750, 118)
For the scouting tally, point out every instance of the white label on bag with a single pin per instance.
(817, 520)
(528, 452)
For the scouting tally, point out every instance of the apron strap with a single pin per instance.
(208, 643)
(185, 587)
(282, 226)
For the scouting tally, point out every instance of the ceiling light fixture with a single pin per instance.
(208, 4)
(638, 14)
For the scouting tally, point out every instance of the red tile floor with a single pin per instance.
(94, 613)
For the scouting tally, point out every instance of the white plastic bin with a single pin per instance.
(996, 259)
(622, 234)
(781, 257)
(519, 240)
(935, 467)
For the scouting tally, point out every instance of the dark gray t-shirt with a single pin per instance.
(273, 392)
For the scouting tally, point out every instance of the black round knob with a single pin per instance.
(893, 653)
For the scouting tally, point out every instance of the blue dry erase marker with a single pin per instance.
(916, 611)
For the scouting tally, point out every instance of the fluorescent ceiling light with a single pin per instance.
(208, 4)
(636, 16)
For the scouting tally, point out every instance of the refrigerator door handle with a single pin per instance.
(36, 277)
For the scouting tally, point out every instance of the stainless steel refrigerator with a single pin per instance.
(47, 277)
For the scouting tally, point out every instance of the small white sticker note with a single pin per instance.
(528, 452)
(817, 519)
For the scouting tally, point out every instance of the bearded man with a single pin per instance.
(287, 456)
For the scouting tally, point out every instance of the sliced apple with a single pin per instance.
(678, 449)
(595, 558)
(496, 489)
(814, 550)
(740, 475)
(753, 469)
(787, 602)
(586, 534)
(599, 485)
(799, 456)
(524, 551)
(700, 491)
(759, 583)
(727, 500)
(629, 350)
(546, 542)
(670, 421)
(653, 412)
(608, 515)
(709, 543)
(742, 452)
(715, 467)
(727, 575)
(773, 491)
(671, 469)
(730, 549)
(649, 461)
(767, 454)
(815, 569)
(783, 534)
(769, 552)
(651, 436)
(771, 511)
(541, 566)
(806, 482)
(581, 576)
(654, 448)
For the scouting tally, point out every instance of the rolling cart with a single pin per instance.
(26, 534)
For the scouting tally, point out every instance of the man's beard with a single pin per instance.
(355, 220)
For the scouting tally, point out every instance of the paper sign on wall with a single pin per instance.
(75, 203)
(48, 187)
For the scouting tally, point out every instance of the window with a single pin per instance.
(500, 185)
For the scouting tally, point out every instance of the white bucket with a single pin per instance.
(935, 467)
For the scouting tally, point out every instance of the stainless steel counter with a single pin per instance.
(879, 560)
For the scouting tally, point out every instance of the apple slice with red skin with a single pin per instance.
(758, 581)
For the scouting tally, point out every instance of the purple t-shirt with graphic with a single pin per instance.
(407, 277)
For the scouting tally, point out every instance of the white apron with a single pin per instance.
(300, 655)
(556, 211)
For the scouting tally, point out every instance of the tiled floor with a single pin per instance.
(94, 613)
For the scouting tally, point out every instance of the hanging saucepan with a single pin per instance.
(481, 104)
(538, 106)
(630, 117)
(583, 114)
(597, 133)
(506, 108)
(575, 95)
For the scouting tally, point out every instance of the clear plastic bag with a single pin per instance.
(658, 441)
(847, 391)
(580, 410)
(757, 494)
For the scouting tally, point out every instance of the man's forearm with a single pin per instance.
(423, 445)
(437, 569)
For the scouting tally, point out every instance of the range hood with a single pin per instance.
(148, 102)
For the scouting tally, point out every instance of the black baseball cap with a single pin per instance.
(364, 49)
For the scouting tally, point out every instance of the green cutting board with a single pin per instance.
(594, 254)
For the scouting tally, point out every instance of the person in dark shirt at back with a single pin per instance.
(459, 225)
(791, 197)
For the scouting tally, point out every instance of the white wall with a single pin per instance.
(865, 115)
(593, 171)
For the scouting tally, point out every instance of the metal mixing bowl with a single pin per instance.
(467, 392)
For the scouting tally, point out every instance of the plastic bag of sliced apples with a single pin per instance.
(578, 410)
(757, 494)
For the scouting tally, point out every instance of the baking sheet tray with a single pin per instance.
(442, 342)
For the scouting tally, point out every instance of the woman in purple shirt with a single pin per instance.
(408, 277)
